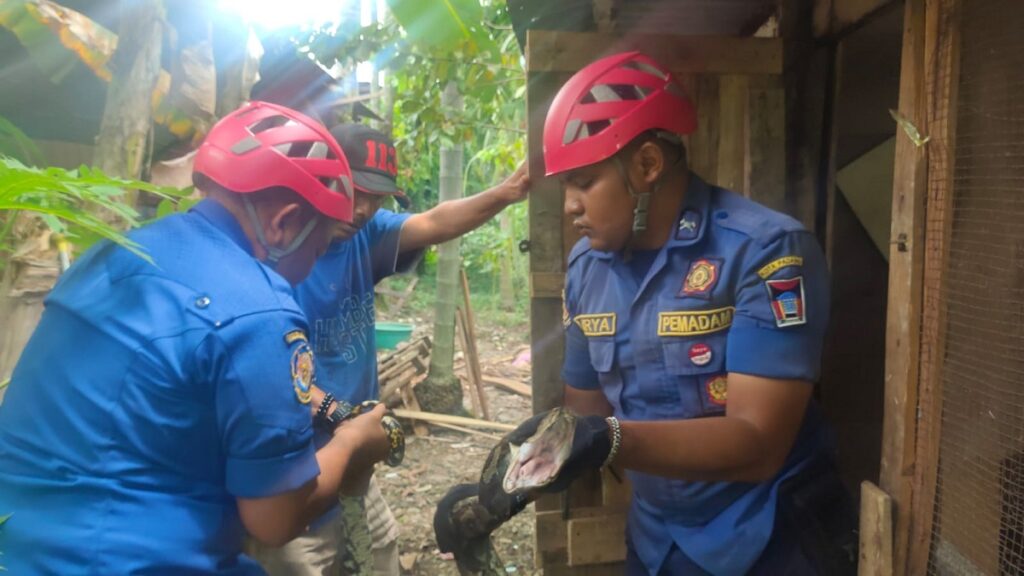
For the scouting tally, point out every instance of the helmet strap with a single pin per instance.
(643, 199)
(274, 255)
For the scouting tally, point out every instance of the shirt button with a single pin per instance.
(202, 302)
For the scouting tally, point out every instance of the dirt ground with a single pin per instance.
(435, 463)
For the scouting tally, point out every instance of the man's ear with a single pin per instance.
(284, 223)
(649, 160)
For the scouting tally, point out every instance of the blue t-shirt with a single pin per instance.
(149, 398)
(736, 288)
(337, 298)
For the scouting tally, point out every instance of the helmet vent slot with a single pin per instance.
(268, 123)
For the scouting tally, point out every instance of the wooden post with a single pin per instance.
(942, 60)
(472, 355)
(122, 147)
(905, 280)
(875, 532)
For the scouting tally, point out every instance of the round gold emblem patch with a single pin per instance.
(717, 387)
(703, 274)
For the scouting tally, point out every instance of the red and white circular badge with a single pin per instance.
(700, 354)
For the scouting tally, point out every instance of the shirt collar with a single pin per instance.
(693, 218)
(216, 214)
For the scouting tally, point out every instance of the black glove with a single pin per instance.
(591, 444)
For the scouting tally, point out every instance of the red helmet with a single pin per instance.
(606, 105)
(263, 145)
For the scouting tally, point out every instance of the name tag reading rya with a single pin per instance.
(596, 324)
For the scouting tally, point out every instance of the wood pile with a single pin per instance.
(400, 372)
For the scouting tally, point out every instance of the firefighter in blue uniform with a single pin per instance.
(694, 324)
(163, 409)
(338, 299)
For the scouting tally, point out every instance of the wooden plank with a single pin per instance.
(547, 255)
(547, 284)
(875, 532)
(552, 529)
(598, 540)
(833, 17)
(410, 401)
(509, 384)
(449, 419)
(906, 259)
(550, 51)
(941, 54)
(702, 147)
(473, 357)
(615, 492)
(806, 81)
(732, 139)
(469, 431)
(765, 168)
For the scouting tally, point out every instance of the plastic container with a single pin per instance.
(389, 334)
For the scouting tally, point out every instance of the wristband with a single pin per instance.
(616, 430)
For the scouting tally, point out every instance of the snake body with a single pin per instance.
(512, 476)
(396, 436)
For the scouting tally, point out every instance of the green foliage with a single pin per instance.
(426, 46)
(84, 205)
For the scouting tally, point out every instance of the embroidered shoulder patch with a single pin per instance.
(596, 324)
(295, 336)
(776, 265)
(787, 301)
(701, 278)
(303, 369)
(694, 322)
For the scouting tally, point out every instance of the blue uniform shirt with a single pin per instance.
(337, 297)
(148, 399)
(737, 288)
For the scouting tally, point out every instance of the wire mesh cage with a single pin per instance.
(975, 262)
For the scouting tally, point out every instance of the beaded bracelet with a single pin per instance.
(616, 428)
(325, 404)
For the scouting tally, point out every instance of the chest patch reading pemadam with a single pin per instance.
(694, 322)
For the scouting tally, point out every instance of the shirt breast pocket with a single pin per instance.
(602, 354)
(696, 364)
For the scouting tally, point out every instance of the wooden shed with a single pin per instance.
(895, 131)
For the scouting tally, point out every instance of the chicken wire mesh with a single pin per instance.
(975, 246)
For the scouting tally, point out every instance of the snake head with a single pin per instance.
(537, 462)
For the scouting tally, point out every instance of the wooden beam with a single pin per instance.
(906, 259)
(598, 540)
(510, 385)
(732, 139)
(547, 284)
(449, 419)
(942, 65)
(547, 256)
(833, 17)
(875, 532)
(765, 169)
(549, 51)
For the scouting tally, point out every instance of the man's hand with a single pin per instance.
(370, 445)
(516, 187)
